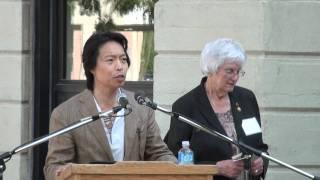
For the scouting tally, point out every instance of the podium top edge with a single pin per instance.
(140, 167)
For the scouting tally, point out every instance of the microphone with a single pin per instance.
(123, 103)
(122, 99)
(139, 97)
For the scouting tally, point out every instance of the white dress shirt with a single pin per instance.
(116, 137)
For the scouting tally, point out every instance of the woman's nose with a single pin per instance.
(235, 77)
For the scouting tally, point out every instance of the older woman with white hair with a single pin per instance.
(222, 106)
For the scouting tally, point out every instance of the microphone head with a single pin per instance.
(139, 97)
(123, 101)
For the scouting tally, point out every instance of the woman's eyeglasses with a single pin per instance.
(232, 72)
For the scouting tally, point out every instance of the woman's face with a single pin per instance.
(227, 76)
(111, 67)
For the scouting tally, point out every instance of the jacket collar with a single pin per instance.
(209, 114)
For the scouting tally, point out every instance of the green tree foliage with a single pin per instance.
(124, 7)
(89, 7)
(147, 56)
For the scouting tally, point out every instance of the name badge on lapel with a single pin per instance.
(251, 126)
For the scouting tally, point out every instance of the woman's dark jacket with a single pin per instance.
(209, 149)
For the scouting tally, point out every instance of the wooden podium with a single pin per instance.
(137, 170)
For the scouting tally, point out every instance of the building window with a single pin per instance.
(135, 22)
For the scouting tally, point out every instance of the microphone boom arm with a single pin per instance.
(7, 155)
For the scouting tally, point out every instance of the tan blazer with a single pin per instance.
(89, 142)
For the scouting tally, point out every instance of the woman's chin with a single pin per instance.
(230, 88)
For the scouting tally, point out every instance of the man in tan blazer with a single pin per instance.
(89, 143)
(137, 135)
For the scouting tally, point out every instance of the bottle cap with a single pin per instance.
(185, 143)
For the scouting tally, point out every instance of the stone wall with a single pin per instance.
(16, 84)
(282, 40)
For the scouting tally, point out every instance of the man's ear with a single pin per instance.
(93, 71)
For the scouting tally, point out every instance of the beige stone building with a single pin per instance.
(282, 39)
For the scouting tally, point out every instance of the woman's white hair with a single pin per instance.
(215, 53)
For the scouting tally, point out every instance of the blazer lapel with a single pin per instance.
(88, 108)
(237, 112)
(129, 137)
(131, 131)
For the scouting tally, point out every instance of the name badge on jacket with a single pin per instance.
(251, 126)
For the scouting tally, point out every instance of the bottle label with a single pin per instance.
(185, 158)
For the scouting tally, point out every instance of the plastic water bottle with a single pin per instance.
(185, 154)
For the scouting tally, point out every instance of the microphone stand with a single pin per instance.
(240, 144)
(5, 157)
